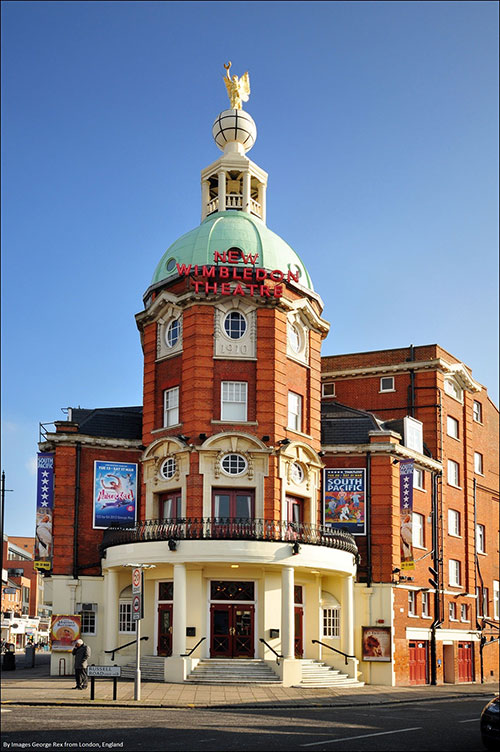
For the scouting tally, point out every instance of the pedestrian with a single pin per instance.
(82, 655)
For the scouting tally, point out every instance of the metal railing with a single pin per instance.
(186, 655)
(228, 528)
(346, 655)
(120, 647)
(278, 655)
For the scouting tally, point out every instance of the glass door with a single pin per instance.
(232, 631)
(165, 629)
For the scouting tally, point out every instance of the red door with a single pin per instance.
(465, 662)
(165, 629)
(232, 632)
(299, 632)
(417, 653)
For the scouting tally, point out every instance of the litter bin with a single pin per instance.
(9, 658)
(30, 656)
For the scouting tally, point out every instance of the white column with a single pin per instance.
(111, 610)
(262, 201)
(348, 615)
(222, 190)
(246, 192)
(179, 625)
(287, 613)
(205, 195)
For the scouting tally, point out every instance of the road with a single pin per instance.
(437, 725)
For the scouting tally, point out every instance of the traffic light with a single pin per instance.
(434, 578)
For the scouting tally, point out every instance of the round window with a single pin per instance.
(234, 464)
(297, 473)
(167, 469)
(294, 338)
(172, 333)
(171, 264)
(235, 325)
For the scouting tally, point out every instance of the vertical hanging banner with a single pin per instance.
(344, 499)
(44, 510)
(115, 493)
(406, 513)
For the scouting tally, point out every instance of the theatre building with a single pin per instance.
(215, 486)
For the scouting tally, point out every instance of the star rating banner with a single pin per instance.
(44, 510)
(406, 513)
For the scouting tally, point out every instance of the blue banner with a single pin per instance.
(44, 510)
(115, 493)
(406, 513)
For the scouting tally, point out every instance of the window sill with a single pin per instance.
(299, 433)
(234, 422)
(476, 472)
(386, 391)
(426, 617)
(413, 616)
(449, 483)
(483, 553)
(167, 428)
(454, 584)
(454, 535)
(455, 438)
(420, 548)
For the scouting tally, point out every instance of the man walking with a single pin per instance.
(82, 655)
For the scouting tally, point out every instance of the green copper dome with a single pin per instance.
(231, 229)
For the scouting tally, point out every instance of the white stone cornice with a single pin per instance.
(397, 450)
(68, 439)
(452, 369)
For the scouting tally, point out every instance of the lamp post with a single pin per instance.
(3, 491)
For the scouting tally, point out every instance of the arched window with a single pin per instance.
(330, 615)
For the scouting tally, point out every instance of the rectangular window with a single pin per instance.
(88, 622)
(331, 622)
(478, 463)
(125, 621)
(496, 599)
(453, 473)
(464, 612)
(452, 608)
(418, 479)
(425, 604)
(453, 522)
(485, 611)
(234, 401)
(412, 603)
(171, 407)
(480, 539)
(170, 505)
(387, 384)
(477, 412)
(294, 411)
(455, 573)
(328, 389)
(452, 427)
(418, 530)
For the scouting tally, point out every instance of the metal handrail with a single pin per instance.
(229, 528)
(278, 656)
(115, 650)
(346, 655)
(186, 655)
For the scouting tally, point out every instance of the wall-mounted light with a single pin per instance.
(295, 548)
(172, 544)
(203, 436)
(284, 442)
(265, 439)
(183, 438)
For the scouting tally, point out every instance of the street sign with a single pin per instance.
(137, 607)
(104, 671)
(136, 580)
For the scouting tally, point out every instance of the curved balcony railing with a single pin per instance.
(223, 528)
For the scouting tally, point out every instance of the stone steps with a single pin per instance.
(232, 671)
(318, 674)
(152, 669)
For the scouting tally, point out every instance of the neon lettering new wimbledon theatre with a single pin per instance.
(250, 279)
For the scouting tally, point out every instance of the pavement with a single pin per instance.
(34, 686)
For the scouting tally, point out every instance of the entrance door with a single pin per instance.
(165, 629)
(417, 653)
(299, 633)
(232, 632)
(465, 662)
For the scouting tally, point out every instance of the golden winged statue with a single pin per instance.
(238, 89)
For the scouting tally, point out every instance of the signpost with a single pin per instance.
(103, 672)
(137, 615)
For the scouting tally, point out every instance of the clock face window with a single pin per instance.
(294, 338)
(235, 325)
(297, 473)
(172, 333)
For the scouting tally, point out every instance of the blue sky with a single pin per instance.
(378, 126)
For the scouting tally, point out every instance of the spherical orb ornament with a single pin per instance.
(234, 126)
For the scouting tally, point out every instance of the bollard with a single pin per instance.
(63, 662)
